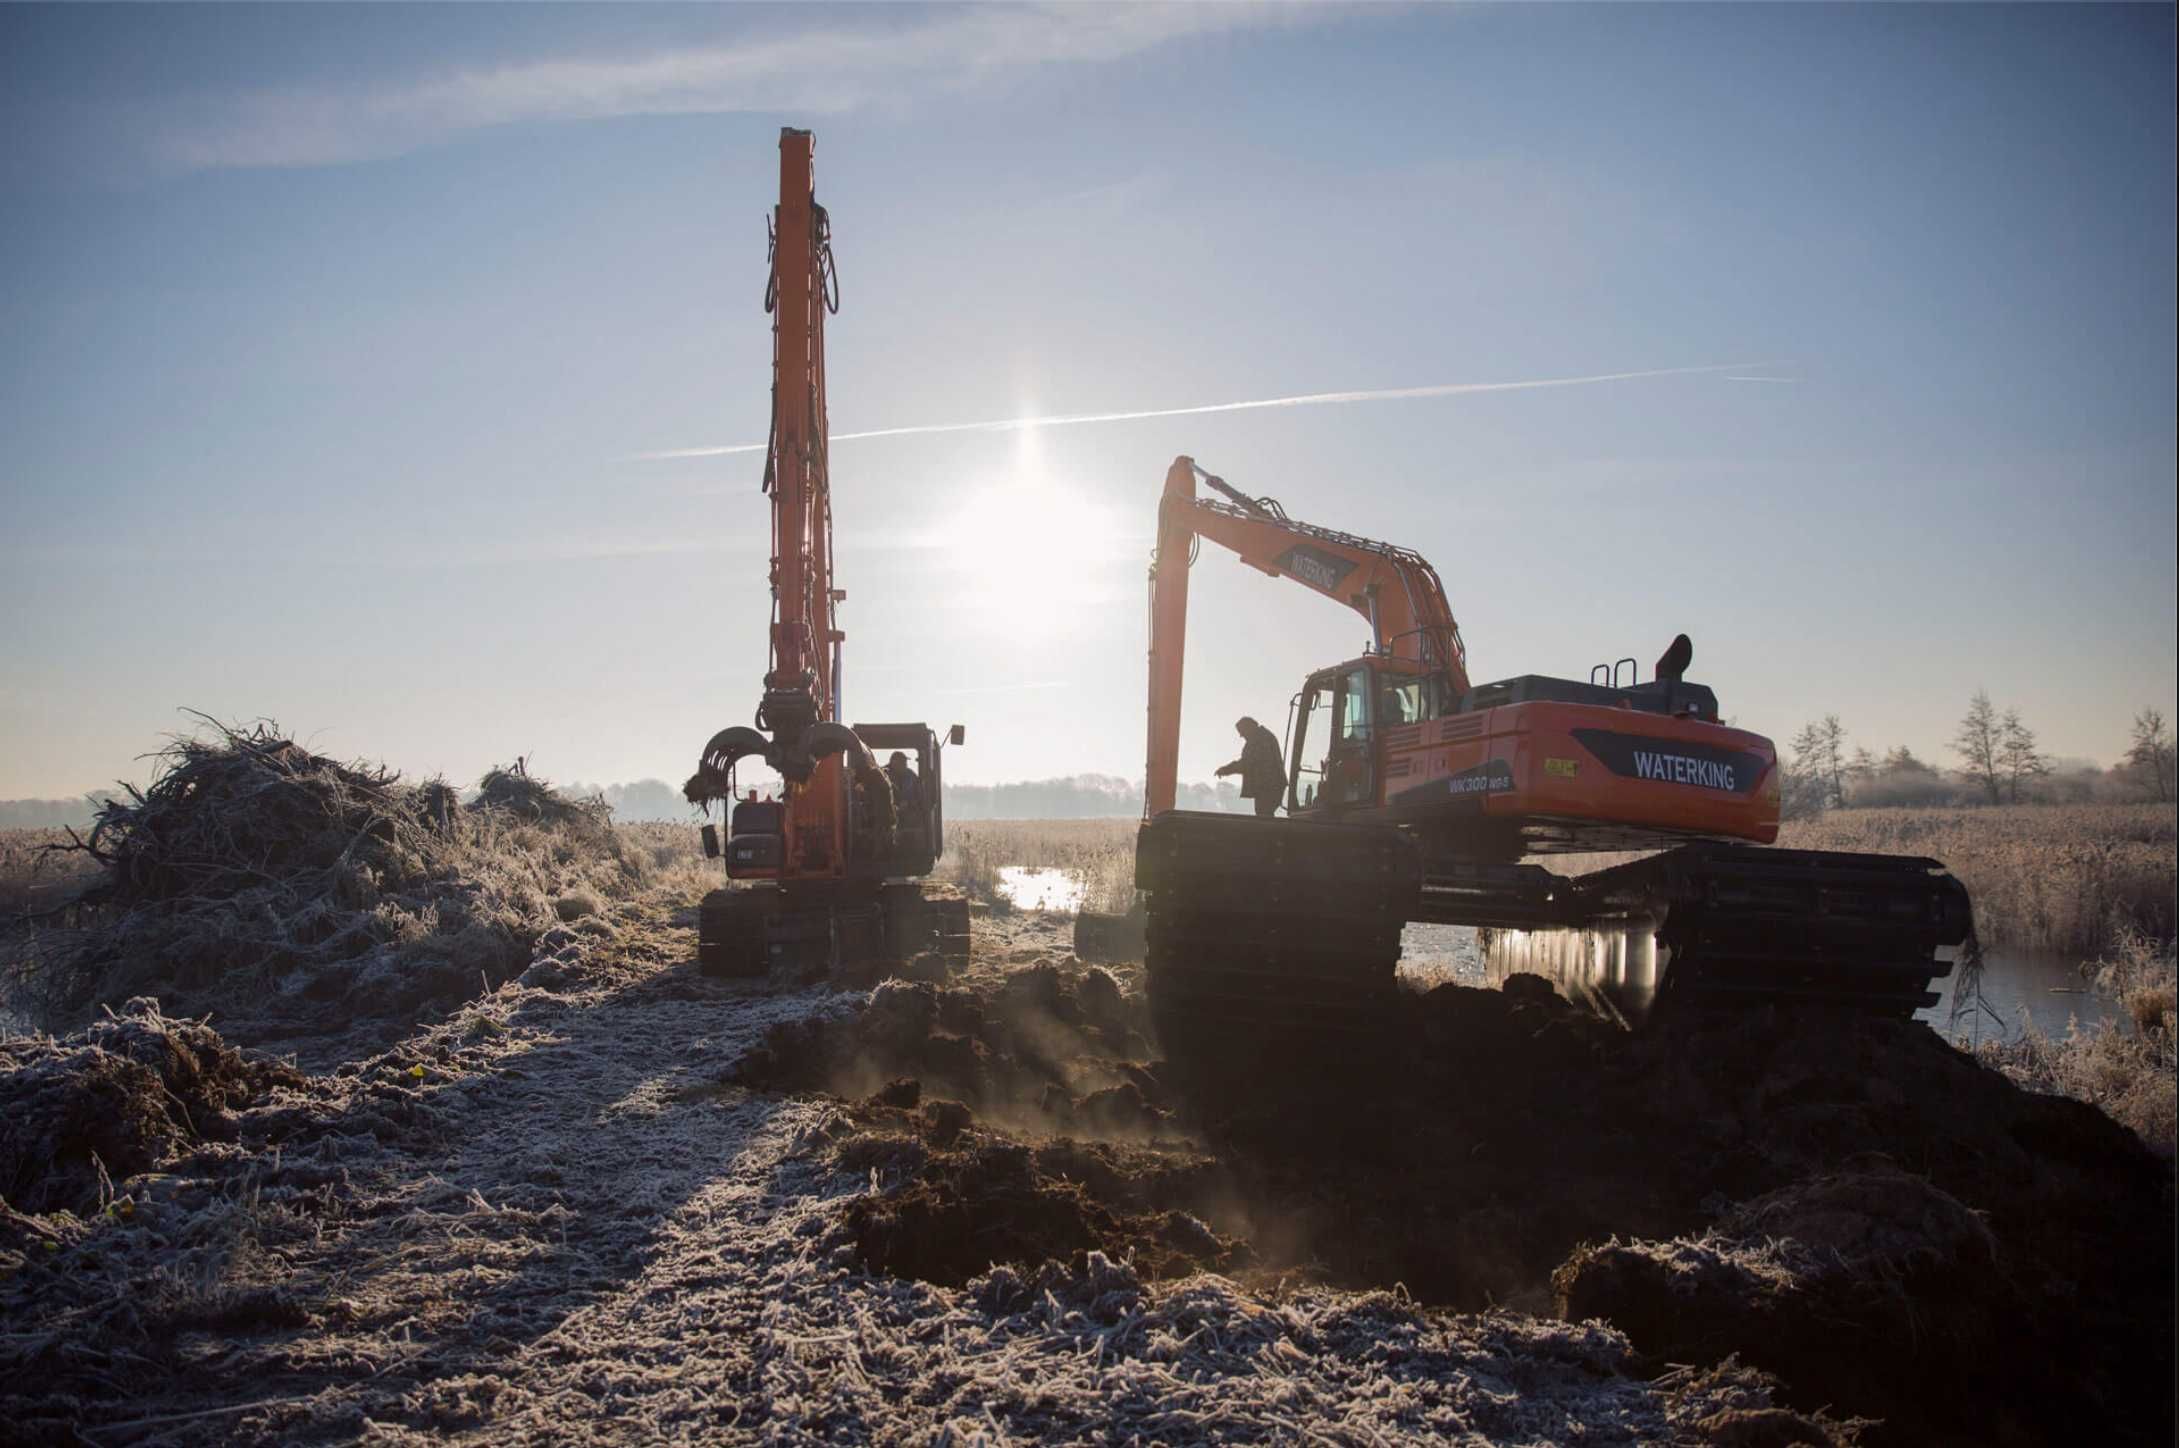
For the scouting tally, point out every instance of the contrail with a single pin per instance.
(1307, 399)
(1004, 688)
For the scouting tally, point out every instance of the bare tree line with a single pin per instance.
(2000, 762)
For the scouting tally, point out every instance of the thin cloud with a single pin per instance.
(1306, 399)
(1762, 379)
(828, 68)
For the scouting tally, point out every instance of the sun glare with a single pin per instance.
(1030, 553)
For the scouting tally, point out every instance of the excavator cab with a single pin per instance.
(1337, 725)
(919, 835)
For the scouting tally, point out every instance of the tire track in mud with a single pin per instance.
(575, 1226)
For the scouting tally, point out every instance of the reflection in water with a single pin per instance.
(2017, 988)
(1615, 972)
(2023, 986)
(1029, 888)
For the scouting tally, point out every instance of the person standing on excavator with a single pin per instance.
(1262, 766)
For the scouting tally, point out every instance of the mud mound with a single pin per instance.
(1039, 1047)
(1889, 1182)
(1871, 1288)
(128, 1095)
(1762, 1099)
(1494, 1148)
(992, 1202)
(251, 865)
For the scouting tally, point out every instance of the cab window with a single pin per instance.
(1354, 707)
(1313, 733)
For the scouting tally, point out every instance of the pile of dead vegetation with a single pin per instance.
(129, 1094)
(253, 868)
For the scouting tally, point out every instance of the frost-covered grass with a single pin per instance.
(549, 1217)
(2126, 1069)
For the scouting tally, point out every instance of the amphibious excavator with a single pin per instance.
(1415, 794)
(828, 871)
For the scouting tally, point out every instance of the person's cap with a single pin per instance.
(1244, 722)
(898, 758)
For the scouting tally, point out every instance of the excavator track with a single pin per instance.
(750, 931)
(1718, 925)
(1266, 934)
(1270, 936)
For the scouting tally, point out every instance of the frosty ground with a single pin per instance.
(550, 1216)
(481, 1155)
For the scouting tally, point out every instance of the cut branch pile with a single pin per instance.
(250, 862)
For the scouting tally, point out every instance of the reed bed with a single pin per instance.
(2079, 879)
(1100, 853)
(2131, 1071)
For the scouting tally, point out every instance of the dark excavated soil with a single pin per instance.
(1853, 1205)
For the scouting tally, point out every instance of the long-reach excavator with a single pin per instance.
(1414, 795)
(830, 869)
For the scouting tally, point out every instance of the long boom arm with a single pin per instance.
(798, 720)
(802, 686)
(1395, 588)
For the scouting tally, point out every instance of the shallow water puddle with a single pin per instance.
(2045, 988)
(1029, 887)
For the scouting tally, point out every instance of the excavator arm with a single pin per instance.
(1394, 588)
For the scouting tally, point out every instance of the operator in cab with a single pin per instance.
(1262, 766)
(907, 789)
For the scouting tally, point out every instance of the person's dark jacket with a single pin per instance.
(907, 791)
(1261, 766)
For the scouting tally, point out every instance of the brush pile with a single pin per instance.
(252, 864)
(515, 792)
(127, 1095)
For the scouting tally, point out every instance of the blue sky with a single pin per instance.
(336, 339)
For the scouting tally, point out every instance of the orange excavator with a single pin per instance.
(1414, 794)
(829, 871)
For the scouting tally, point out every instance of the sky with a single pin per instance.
(341, 346)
